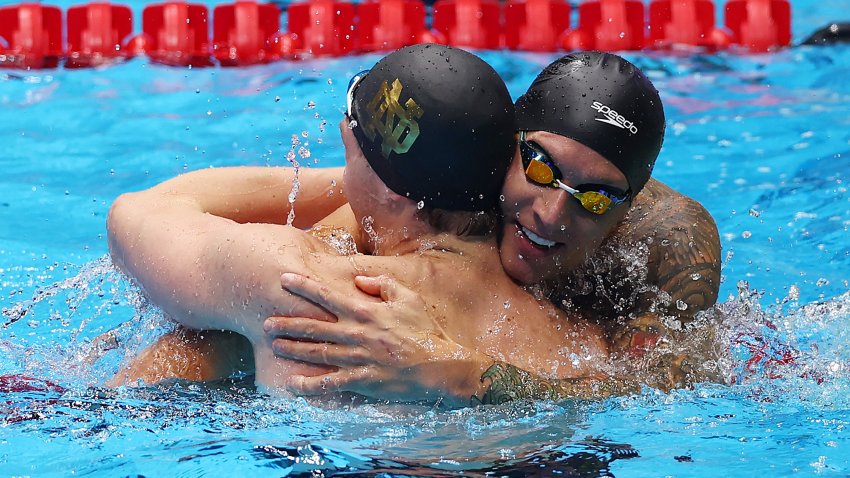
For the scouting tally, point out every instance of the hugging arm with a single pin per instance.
(663, 342)
(184, 244)
(395, 350)
(372, 349)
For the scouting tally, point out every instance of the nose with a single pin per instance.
(550, 209)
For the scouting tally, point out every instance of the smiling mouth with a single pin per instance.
(536, 240)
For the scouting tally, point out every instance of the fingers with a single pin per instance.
(298, 307)
(337, 303)
(369, 285)
(319, 353)
(310, 329)
(341, 381)
(385, 287)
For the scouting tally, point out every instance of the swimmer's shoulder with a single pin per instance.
(342, 222)
(683, 243)
(660, 212)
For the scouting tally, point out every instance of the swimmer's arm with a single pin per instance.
(259, 194)
(204, 271)
(184, 354)
(393, 349)
(685, 266)
(503, 382)
(685, 260)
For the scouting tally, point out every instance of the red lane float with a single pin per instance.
(759, 25)
(684, 22)
(319, 28)
(469, 23)
(385, 25)
(608, 25)
(176, 34)
(32, 34)
(98, 33)
(246, 32)
(536, 25)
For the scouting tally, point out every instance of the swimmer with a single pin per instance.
(426, 191)
(578, 199)
(680, 273)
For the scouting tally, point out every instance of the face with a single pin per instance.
(546, 231)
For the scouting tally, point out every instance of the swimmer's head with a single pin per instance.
(604, 102)
(437, 125)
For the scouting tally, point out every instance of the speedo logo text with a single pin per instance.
(613, 118)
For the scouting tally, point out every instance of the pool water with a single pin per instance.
(762, 141)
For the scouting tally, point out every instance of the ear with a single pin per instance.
(395, 200)
(348, 139)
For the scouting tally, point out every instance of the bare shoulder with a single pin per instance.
(683, 244)
(664, 257)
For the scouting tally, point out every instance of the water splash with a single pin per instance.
(296, 182)
(87, 316)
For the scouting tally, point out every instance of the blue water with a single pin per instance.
(762, 141)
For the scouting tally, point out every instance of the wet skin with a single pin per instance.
(535, 216)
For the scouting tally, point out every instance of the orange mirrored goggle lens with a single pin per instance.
(539, 171)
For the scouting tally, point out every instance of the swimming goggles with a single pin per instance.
(349, 95)
(540, 170)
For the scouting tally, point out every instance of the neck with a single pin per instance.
(417, 236)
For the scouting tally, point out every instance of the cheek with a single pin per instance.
(515, 190)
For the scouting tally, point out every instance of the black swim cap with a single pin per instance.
(604, 102)
(437, 125)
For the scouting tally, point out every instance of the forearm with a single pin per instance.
(503, 382)
(668, 353)
(188, 355)
(481, 380)
(260, 194)
(204, 271)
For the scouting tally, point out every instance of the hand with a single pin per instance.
(385, 344)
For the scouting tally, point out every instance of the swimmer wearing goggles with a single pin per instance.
(541, 170)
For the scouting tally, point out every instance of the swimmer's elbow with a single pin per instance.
(123, 218)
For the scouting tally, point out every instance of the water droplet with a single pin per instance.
(746, 234)
(793, 292)
(420, 205)
(311, 105)
(276, 99)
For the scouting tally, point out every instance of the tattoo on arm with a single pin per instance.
(689, 266)
(508, 383)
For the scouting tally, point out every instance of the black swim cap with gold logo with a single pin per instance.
(602, 101)
(437, 125)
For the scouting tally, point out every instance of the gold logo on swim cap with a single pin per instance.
(396, 124)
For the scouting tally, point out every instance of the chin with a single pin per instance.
(518, 269)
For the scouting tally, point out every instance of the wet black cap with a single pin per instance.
(437, 125)
(604, 102)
